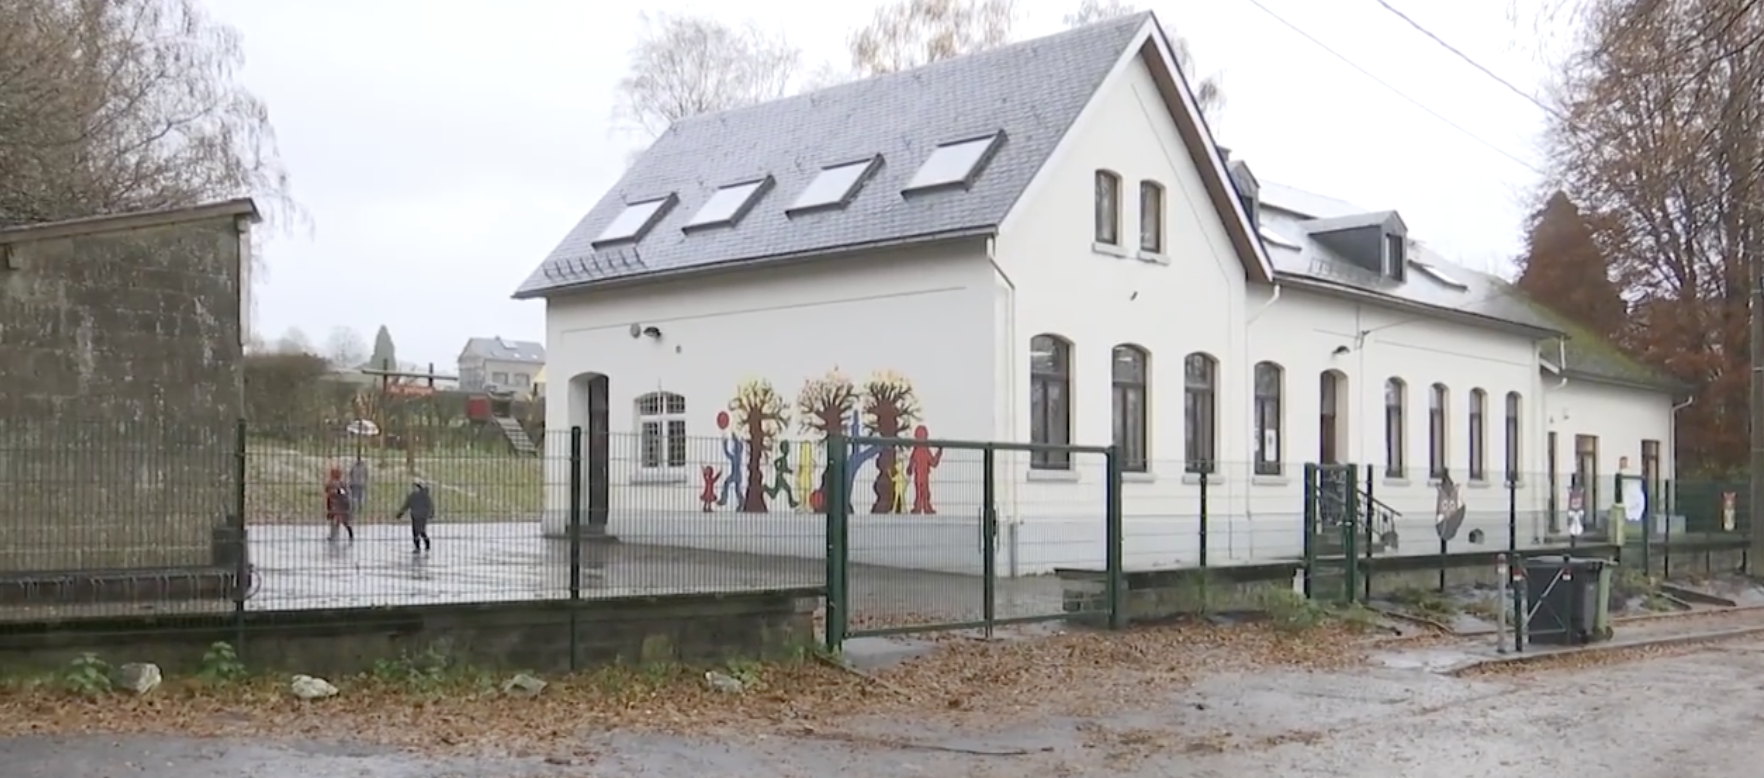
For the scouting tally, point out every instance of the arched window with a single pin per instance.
(1151, 217)
(1439, 455)
(1478, 435)
(1200, 410)
(1050, 400)
(1512, 436)
(1128, 378)
(661, 430)
(1395, 433)
(1108, 208)
(1267, 410)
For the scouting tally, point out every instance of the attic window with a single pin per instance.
(635, 221)
(729, 204)
(835, 186)
(1395, 258)
(954, 164)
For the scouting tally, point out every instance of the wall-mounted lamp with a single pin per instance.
(638, 330)
(1339, 350)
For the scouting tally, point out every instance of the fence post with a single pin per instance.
(836, 501)
(988, 538)
(1666, 532)
(1309, 490)
(241, 548)
(1114, 551)
(1350, 532)
(1513, 514)
(575, 518)
(1371, 509)
(1203, 520)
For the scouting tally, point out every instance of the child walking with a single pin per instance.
(339, 509)
(421, 507)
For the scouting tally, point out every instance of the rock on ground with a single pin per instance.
(307, 687)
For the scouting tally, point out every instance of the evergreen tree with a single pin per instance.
(385, 354)
(1564, 269)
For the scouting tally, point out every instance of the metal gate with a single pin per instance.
(916, 543)
(1334, 512)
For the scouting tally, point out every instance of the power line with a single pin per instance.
(1398, 92)
(1471, 61)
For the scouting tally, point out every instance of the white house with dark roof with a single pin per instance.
(499, 364)
(1038, 243)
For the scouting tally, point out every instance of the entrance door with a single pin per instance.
(599, 476)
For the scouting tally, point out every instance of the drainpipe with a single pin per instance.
(1011, 394)
(1672, 437)
(1269, 303)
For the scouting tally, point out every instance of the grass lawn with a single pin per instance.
(284, 484)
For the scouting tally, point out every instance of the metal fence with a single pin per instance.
(905, 533)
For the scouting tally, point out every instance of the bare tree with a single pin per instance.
(1207, 91)
(1656, 130)
(684, 65)
(120, 105)
(345, 348)
(293, 341)
(906, 34)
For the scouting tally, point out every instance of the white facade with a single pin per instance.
(954, 321)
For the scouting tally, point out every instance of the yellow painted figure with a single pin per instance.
(805, 474)
(899, 481)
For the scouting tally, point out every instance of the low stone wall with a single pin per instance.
(1154, 595)
(1387, 575)
(537, 636)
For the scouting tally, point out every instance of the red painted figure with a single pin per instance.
(337, 504)
(920, 463)
(708, 497)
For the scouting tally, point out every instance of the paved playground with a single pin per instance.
(298, 567)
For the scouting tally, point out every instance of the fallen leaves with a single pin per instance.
(967, 683)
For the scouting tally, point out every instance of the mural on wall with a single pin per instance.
(885, 405)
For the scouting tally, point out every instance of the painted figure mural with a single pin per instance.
(885, 405)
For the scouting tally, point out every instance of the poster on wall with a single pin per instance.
(1576, 511)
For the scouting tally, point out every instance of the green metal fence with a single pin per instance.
(897, 564)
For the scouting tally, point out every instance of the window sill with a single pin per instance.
(1153, 257)
(659, 476)
(1270, 480)
(1395, 481)
(1052, 476)
(1193, 479)
(1109, 249)
(1478, 483)
(1139, 478)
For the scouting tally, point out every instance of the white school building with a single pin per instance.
(1044, 243)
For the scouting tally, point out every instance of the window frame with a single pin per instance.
(1266, 414)
(1128, 411)
(1439, 451)
(1396, 431)
(1200, 413)
(661, 431)
(1048, 419)
(1514, 408)
(1151, 226)
(1478, 435)
(1106, 208)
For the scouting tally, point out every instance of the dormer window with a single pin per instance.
(1395, 256)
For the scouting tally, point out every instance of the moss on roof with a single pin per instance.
(1590, 355)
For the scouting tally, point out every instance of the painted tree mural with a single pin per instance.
(826, 403)
(757, 414)
(890, 407)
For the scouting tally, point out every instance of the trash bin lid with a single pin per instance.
(1553, 560)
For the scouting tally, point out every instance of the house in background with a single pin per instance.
(500, 364)
(1038, 243)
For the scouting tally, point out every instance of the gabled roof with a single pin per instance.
(1031, 92)
(505, 350)
(1290, 217)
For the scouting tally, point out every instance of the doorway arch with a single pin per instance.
(590, 408)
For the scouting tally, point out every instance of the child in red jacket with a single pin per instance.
(338, 510)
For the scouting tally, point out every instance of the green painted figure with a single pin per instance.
(781, 475)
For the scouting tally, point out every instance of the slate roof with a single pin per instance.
(1289, 215)
(505, 350)
(1032, 91)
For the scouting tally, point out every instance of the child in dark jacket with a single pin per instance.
(421, 507)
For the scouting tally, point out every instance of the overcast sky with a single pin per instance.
(443, 148)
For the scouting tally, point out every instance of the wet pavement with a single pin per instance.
(1689, 714)
(298, 567)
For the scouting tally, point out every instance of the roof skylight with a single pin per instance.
(729, 204)
(835, 186)
(954, 164)
(1439, 275)
(636, 220)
